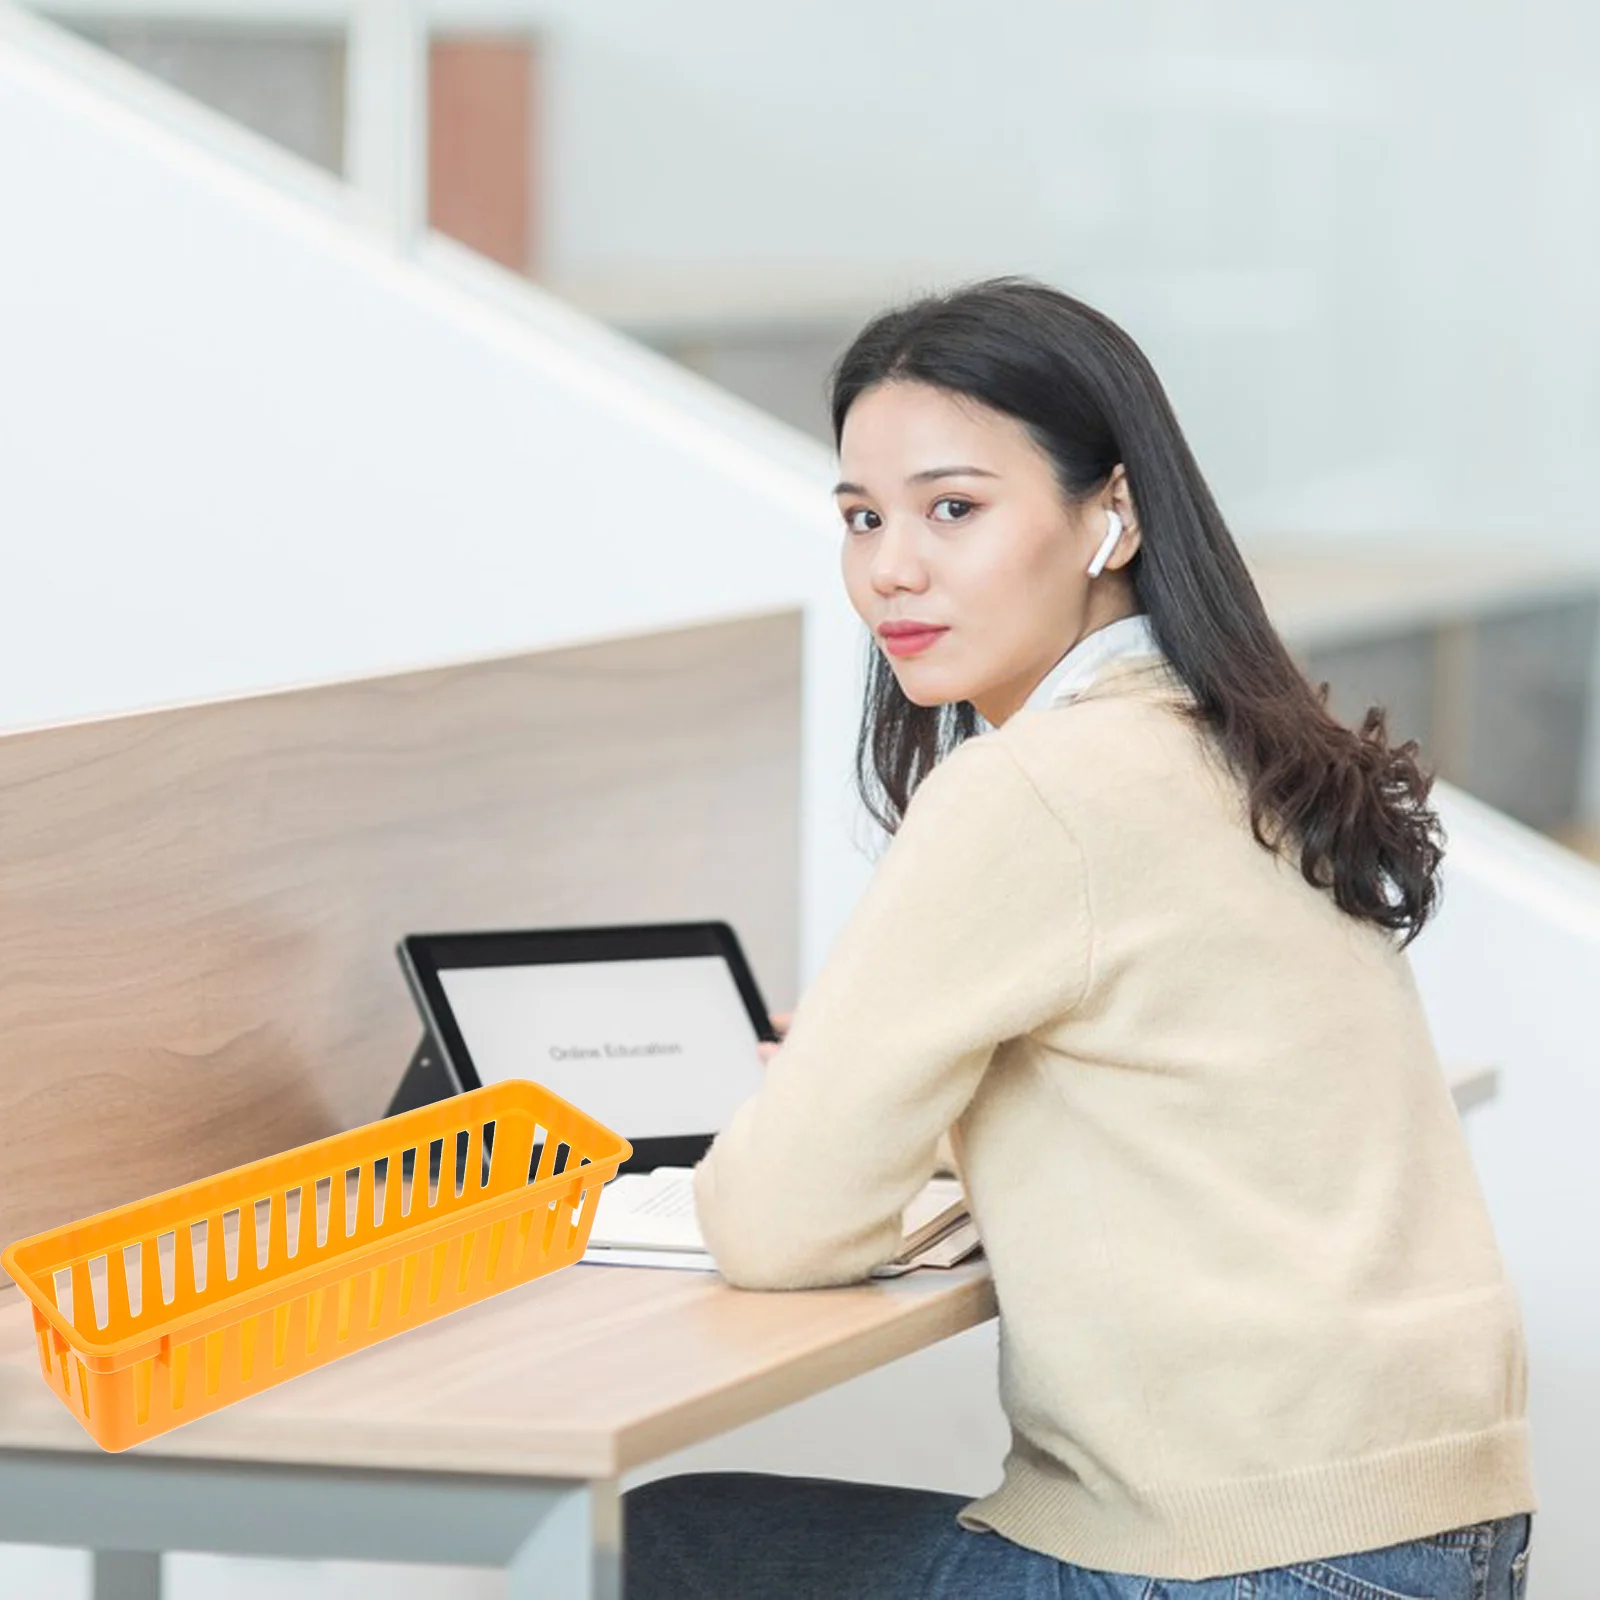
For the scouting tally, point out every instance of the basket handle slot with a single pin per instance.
(200, 1254)
(291, 1221)
(463, 1155)
(64, 1297)
(541, 1138)
(563, 1155)
(408, 1179)
(324, 1210)
(88, 1296)
(230, 1243)
(488, 1155)
(100, 1288)
(263, 1210)
(352, 1199)
(435, 1164)
(583, 1201)
(380, 1190)
(132, 1281)
(167, 1265)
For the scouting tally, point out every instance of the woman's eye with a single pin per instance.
(861, 519)
(951, 508)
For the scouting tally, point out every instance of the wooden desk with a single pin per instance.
(494, 1437)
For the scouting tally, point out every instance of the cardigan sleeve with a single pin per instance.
(974, 929)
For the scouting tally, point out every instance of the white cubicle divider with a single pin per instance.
(1510, 973)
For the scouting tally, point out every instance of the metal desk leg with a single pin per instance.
(576, 1549)
(557, 1539)
(126, 1575)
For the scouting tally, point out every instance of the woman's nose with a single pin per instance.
(896, 561)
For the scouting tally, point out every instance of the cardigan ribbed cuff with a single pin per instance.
(1212, 1530)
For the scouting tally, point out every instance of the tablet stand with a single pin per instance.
(426, 1079)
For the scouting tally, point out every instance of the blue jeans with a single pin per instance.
(751, 1536)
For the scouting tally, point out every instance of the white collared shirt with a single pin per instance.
(1124, 639)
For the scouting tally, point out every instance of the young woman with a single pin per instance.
(1137, 945)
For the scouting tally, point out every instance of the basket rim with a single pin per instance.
(212, 1317)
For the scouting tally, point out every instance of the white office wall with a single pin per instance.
(1359, 240)
(246, 445)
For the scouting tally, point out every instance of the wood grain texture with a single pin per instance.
(198, 907)
(587, 1373)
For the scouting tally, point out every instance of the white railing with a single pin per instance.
(1510, 973)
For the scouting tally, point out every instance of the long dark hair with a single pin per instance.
(1355, 807)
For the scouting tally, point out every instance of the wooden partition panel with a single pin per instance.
(198, 907)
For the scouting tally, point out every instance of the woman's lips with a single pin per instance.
(911, 642)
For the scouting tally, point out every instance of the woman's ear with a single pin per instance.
(1119, 498)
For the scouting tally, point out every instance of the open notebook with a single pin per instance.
(646, 1219)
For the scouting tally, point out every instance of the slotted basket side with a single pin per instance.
(283, 1265)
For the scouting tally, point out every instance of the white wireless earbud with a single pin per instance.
(1107, 545)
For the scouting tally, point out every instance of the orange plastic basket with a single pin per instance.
(156, 1313)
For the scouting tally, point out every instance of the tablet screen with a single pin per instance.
(654, 1048)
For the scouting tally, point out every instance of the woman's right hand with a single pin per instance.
(768, 1048)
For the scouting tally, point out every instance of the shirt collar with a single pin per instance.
(1124, 639)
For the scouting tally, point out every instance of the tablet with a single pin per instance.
(651, 1029)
